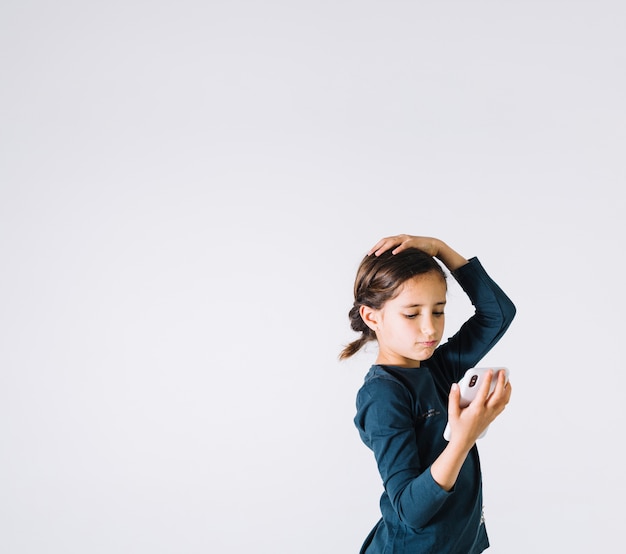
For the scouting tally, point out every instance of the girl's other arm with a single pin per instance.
(468, 423)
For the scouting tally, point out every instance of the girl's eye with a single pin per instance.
(413, 316)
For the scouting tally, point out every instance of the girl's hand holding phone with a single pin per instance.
(486, 390)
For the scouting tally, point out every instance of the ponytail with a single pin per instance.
(357, 324)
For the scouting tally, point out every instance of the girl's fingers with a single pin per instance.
(376, 247)
(454, 399)
(483, 391)
(386, 243)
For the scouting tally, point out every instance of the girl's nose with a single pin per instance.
(428, 327)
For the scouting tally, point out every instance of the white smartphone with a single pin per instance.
(469, 385)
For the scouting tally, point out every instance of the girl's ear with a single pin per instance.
(369, 317)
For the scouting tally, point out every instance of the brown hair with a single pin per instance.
(378, 280)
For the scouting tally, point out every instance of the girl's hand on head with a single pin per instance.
(401, 242)
(432, 246)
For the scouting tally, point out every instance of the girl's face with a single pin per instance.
(409, 327)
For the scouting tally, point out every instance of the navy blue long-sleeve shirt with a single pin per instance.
(401, 416)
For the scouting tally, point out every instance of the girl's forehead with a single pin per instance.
(427, 284)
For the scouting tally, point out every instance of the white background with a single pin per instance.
(186, 189)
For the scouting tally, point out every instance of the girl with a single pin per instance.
(432, 499)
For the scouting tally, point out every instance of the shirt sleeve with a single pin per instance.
(494, 312)
(385, 422)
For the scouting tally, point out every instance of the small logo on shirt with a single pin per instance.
(430, 413)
